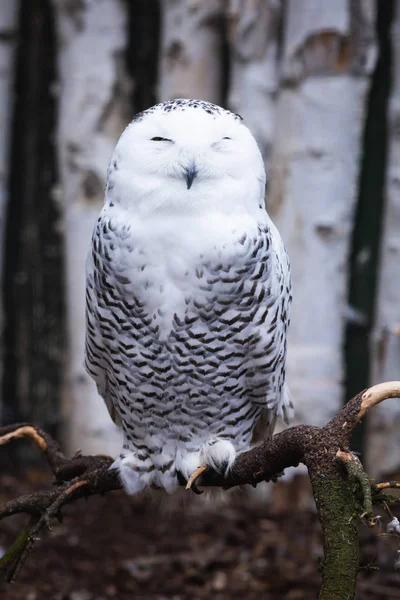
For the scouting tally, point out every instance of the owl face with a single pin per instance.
(184, 156)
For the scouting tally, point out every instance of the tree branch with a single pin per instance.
(388, 484)
(356, 473)
(336, 475)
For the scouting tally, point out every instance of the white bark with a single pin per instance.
(190, 54)
(9, 10)
(253, 30)
(383, 440)
(92, 38)
(328, 55)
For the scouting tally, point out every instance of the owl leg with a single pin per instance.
(217, 454)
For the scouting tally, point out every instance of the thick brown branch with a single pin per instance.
(318, 448)
(266, 461)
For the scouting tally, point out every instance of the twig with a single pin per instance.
(25, 431)
(12, 561)
(387, 484)
(356, 473)
(377, 394)
(45, 505)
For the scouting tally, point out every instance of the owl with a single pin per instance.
(188, 295)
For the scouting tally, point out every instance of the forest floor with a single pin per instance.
(123, 548)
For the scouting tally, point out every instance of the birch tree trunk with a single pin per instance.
(92, 113)
(190, 52)
(383, 440)
(253, 31)
(328, 55)
(9, 10)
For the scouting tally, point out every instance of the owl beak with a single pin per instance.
(190, 174)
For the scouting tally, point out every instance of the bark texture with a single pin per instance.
(384, 424)
(329, 53)
(93, 110)
(190, 53)
(253, 33)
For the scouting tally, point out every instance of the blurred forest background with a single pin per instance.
(317, 82)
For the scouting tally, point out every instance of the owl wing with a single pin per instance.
(247, 308)
(268, 360)
(267, 357)
(95, 352)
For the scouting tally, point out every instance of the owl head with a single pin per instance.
(186, 155)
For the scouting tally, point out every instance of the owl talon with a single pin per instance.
(196, 490)
(191, 484)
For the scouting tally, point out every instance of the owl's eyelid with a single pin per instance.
(158, 138)
(216, 144)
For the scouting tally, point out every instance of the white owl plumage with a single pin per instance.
(188, 295)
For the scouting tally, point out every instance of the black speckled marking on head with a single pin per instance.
(181, 104)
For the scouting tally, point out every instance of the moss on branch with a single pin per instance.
(338, 512)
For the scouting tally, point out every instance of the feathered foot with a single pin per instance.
(216, 453)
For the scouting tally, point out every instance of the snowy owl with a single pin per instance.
(188, 295)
